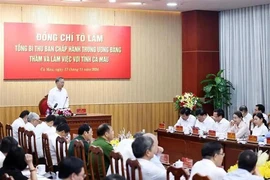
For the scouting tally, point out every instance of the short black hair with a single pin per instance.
(15, 159)
(102, 129)
(261, 107)
(114, 177)
(185, 111)
(200, 112)
(83, 128)
(50, 118)
(70, 165)
(8, 143)
(140, 145)
(247, 160)
(59, 120)
(219, 112)
(239, 114)
(58, 79)
(24, 113)
(243, 108)
(138, 134)
(210, 149)
(63, 127)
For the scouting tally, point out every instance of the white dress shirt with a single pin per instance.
(29, 127)
(52, 142)
(222, 127)
(2, 158)
(260, 131)
(41, 128)
(247, 119)
(50, 131)
(58, 96)
(206, 167)
(206, 125)
(241, 131)
(189, 123)
(241, 174)
(265, 117)
(15, 127)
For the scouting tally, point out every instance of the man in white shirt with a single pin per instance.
(261, 109)
(58, 120)
(187, 120)
(20, 122)
(58, 96)
(62, 130)
(222, 125)
(33, 121)
(204, 122)
(41, 128)
(247, 117)
(7, 143)
(213, 154)
(246, 168)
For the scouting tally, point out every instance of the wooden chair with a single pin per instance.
(79, 152)
(30, 145)
(176, 172)
(1, 131)
(9, 130)
(43, 106)
(21, 138)
(61, 148)
(116, 156)
(47, 153)
(199, 177)
(96, 156)
(7, 177)
(132, 165)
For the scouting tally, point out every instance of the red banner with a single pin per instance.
(46, 51)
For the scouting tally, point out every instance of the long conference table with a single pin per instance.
(94, 120)
(178, 145)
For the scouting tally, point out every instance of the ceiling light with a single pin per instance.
(112, 1)
(171, 4)
(136, 3)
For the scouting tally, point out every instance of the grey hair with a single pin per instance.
(32, 116)
(140, 145)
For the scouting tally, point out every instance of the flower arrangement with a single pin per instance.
(263, 165)
(122, 135)
(189, 100)
(63, 112)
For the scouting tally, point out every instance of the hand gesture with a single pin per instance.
(28, 159)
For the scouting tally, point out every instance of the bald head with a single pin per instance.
(154, 137)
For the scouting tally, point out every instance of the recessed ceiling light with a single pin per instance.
(171, 4)
(112, 1)
(136, 3)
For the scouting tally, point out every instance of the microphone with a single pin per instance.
(56, 104)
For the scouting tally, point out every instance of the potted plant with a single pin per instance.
(217, 90)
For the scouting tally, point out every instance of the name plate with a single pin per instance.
(231, 136)
(161, 126)
(179, 128)
(212, 133)
(252, 139)
(268, 141)
(195, 131)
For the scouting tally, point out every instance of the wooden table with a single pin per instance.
(94, 120)
(178, 145)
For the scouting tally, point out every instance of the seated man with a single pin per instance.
(222, 125)
(187, 120)
(204, 122)
(33, 121)
(62, 130)
(247, 117)
(105, 134)
(212, 153)
(261, 109)
(71, 168)
(85, 134)
(58, 120)
(7, 143)
(20, 122)
(246, 168)
(41, 128)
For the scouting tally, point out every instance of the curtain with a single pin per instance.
(244, 55)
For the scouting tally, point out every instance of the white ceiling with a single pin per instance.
(183, 5)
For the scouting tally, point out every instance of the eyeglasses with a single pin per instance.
(222, 154)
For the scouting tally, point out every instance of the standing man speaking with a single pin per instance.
(58, 96)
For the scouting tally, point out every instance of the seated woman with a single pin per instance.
(16, 161)
(238, 126)
(261, 125)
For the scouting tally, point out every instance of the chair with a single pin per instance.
(42, 106)
(79, 152)
(61, 148)
(176, 172)
(199, 177)
(7, 177)
(96, 157)
(46, 152)
(133, 164)
(21, 139)
(9, 130)
(1, 131)
(30, 145)
(116, 156)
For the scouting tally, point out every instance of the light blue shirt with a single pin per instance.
(241, 174)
